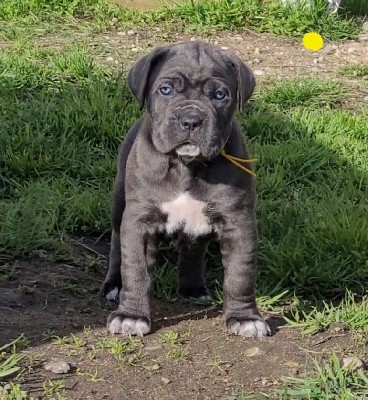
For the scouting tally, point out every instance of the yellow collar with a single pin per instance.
(236, 161)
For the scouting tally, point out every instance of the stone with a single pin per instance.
(259, 72)
(251, 352)
(58, 367)
(352, 363)
(131, 32)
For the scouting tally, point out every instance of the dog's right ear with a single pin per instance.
(138, 76)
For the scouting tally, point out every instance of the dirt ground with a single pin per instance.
(46, 301)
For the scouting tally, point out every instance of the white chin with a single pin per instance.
(190, 150)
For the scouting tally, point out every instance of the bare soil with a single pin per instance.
(41, 298)
(44, 300)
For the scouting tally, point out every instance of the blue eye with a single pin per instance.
(219, 95)
(165, 90)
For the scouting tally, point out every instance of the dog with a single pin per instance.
(178, 174)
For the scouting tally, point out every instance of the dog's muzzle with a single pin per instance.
(190, 121)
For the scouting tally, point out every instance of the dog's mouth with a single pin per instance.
(188, 149)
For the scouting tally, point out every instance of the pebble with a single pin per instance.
(193, 39)
(58, 367)
(121, 33)
(224, 48)
(352, 363)
(131, 32)
(351, 50)
(165, 380)
(152, 348)
(363, 38)
(259, 72)
(109, 58)
(315, 61)
(365, 99)
(251, 352)
(135, 49)
(257, 52)
(257, 61)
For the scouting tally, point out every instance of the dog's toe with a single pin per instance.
(249, 328)
(119, 324)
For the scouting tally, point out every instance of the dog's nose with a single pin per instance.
(191, 122)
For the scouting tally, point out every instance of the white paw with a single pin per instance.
(113, 294)
(253, 329)
(128, 326)
(205, 298)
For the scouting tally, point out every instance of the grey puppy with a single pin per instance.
(172, 179)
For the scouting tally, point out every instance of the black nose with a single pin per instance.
(191, 122)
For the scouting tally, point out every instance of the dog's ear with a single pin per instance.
(139, 74)
(246, 80)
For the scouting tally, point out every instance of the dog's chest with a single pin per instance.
(187, 214)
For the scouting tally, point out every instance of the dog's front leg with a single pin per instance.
(137, 256)
(238, 242)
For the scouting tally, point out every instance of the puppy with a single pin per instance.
(176, 175)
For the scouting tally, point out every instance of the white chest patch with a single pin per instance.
(186, 213)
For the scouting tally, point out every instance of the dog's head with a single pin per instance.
(191, 91)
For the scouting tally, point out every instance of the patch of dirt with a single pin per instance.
(48, 302)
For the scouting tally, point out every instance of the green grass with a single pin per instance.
(352, 313)
(271, 17)
(359, 70)
(327, 380)
(193, 16)
(63, 120)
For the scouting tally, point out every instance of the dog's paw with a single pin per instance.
(196, 295)
(113, 294)
(110, 290)
(248, 328)
(120, 324)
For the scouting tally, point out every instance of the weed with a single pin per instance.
(330, 381)
(352, 311)
(9, 359)
(169, 337)
(52, 388)
(174, 342)
(126, 352)
(13, 391)
(359, 70)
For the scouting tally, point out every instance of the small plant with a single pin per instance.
(12, 391)
(359, 70)
(352, 311)
(126, 352)
(53, 388)
(169, 337)
(329, 381)
(173, 341)
(9, 363)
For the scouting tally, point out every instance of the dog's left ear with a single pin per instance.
(138, 76)
(246, 80)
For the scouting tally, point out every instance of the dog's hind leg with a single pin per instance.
(191, 263)
(112, 284)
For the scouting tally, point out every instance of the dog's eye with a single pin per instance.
(165, 90)
(219, 95)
